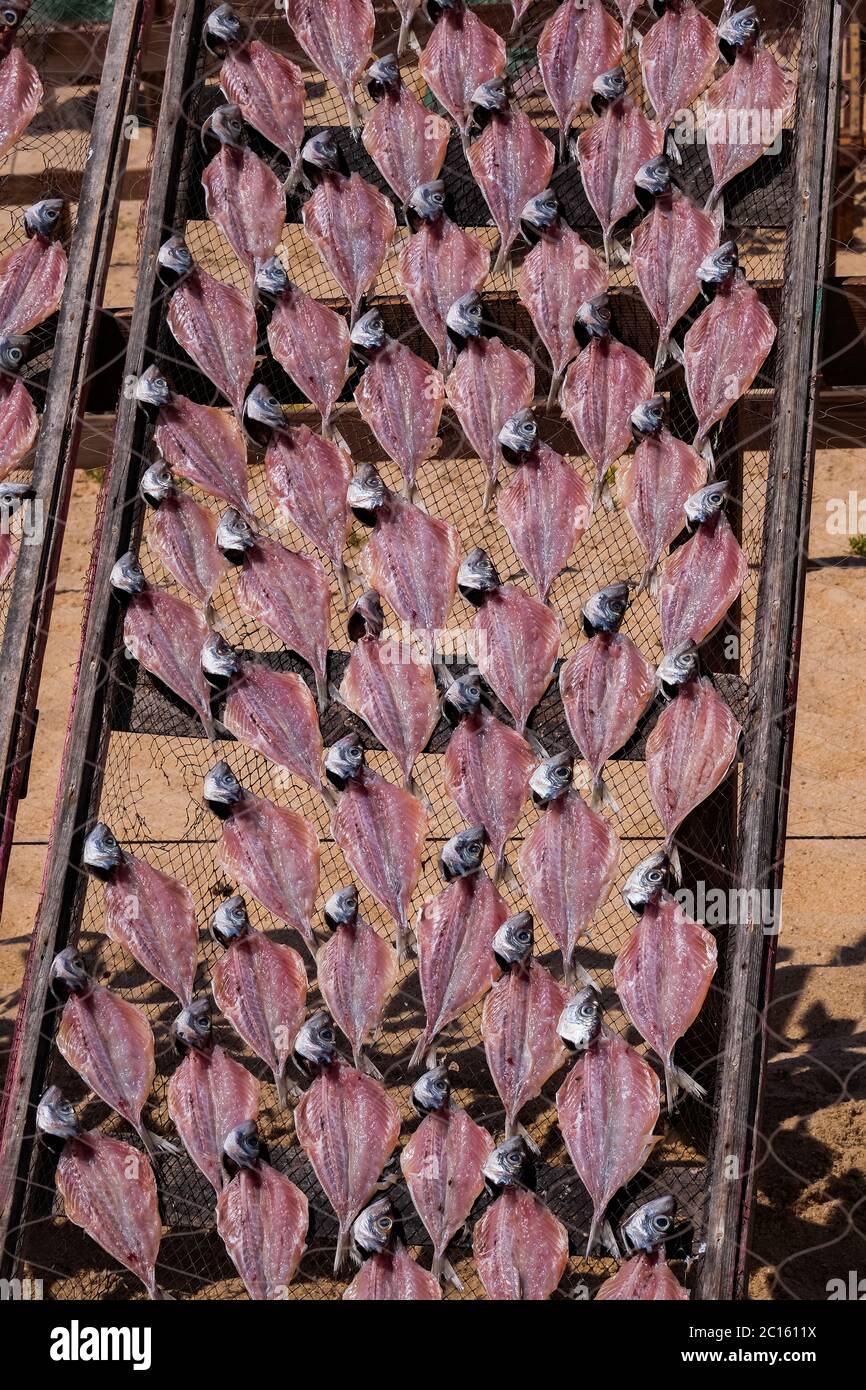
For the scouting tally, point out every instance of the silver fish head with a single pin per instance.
(651, 1225)
(654, 177)
(222, 30)
(234, 536)
(740, 30)
(462, 698)
(373, 1230)
(552, 778)
(490, 95)
(219, 662)
(226, 124)
(316, 1043)
(463, 854)
(513, 943)
(519, 434)
(152, 389)
(322, 153)
(477, 576)
(262, 408)
(681, 664)
(192, 1030)
(366, 617)
(341, 909)
(427, 201)
(593, 316)
(605, 611)
(230, 922)
(719, 266)
(156, 484)
(242, 1147)
(101, 854)
(383, 76)
(510, 1164)
(344, 761)
(707, 503)
(55, 1115)
(541, 211)
(609, 87)
(369, 333)
(648, 418)
(13, 496)
(465, 317)
(646, 881)
(432, 1091)
(43, 218)
(127, 576)
(68, 974)
(580, 1021)
(13, 352)
(366, 494)
(222, 790)
(271, 278)
(174, 259)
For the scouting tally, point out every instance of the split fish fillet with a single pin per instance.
(208, 1096)
(337, 38)
(520, 1248)
(397, 699)
(607, 685)
(32, 278)
(263, 1218)
(601, 389)
(165, 636)
(610, 153)
(400, 397)
(406, 141)
(269, 90)
(437, 266)
(357, 973)
(521, 1044)
(560, 273)
(654, 485)
(666, 250)
(182, 534)
(351, 224)
(576, 44)
(216, 325)
(311, 343)
(307, 478)
(545, 510)
(724, 351)
(518, 643)
(245, 199)
(441, 1164)
(486, 772)
(261, 987)
(393, 1277)
(678, 55)
(753, 99)
(20, 95)
(700, 581)
(153, 917)
(274, 853)
(412, 559)
(488, 384)
(461, 53)
(644, 1278)
(511, 161)
(204, 445)
(274, 713)
(289, 594)
(18, 424)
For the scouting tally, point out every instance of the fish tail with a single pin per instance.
(343, 581)
(403, 38)
(676, 351)
(597, 796)
(563, 143)
(677, 1080)
(527, 1138)
(662, 354)
(512, 1128)
(282, 1086)
(341, 1254)
(328, 796)
(159, 1295)
(705, 449)
(210, 614)
(155, 1144)
(592, 1239)
(353, 111)
(416, 1061)
(534, 742)
(290, 182)
(464, 138)
(555, 388)
(443, 1270)
(673, 855)
(490, 490)
(672, 149)
(501, 257)
(322, 691)
(364, 1065)
(609, 1241)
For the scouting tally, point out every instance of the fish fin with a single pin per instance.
(282, 1085)
(443, 1270)
(676, 351)
(593, 1233)
(663, 352)
(161, 1296)
(322, 699)
(328, 796)
(415, 41)
(335, 695)
(527, 1138)
(355, 114)
(535, 743)
(210, 615)
(575, 971)
(364, 1065)
(491, 487)
(677, 1080)
(608, 1240)
(341, 1254)
(673, 855)
(555, 388)
(501, 261)
(411, 785)
(403, 38)
(705, 449)
(504, 873)
(155, 1144)
(601, 796)
(672, 149)
(563, 143)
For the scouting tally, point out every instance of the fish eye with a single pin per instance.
(523, 935)
(562, 774)
(655, 875)
(384, 1223)
(15, 354)
(662, 1223)
(326, 1034)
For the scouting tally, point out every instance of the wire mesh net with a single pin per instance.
(156, 758)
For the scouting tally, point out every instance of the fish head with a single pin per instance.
(341, 909)
(593, 316)
(55, 1115)
(432, 1091)
(12, 13)
(219, 662)
(541, 212)
(462, 699)
(680, 665)
(552, 778)
(13, 352)
(316, 1043)
(648, 418)
(271, 278)
(373, 1230)
(463, 854)
(127, 576)
(608, 88)
(263, 415)
(605, 611)
(226, 124)
(580, 1021)
(490, 98)
(156, 484)
(13, 496)
(518, 436)
(383, 76)
(230, 922)
(465, 317)
(707, 503)
(322, 155)
(192, 1030)
(510, 1165)
(513, 943)
(173, 260)
(426, 203)
(477, 576)
(101, 854)
(43, 218)
(654, 177)
(242, 1147)
(366, 494)
(222, 790)
(366, 617)
(151, 389)
(344, 760)
(738, 31)
(646, 881)
(69, 974)
(651, 1225)
(369, 333)
(234, 536)
(719, 267)
(222, 30)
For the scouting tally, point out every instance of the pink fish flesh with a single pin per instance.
(511, 161)
(182, 534)
(269, 89)
(700, 581)
(560, 273)
(545, 510)
(109, 1043)
(397, 699)
(20, 95)
(400, 398)
(412, 559)
(205, 446)
(576, 44)
(153, 917)
(436, 267)
(307, 478)
(261, 987)
(165, 636)
(643, 1278)
(274, 853)
(521, 1043)
(724, 351)
(601, 389)
(517, 641)
(18, 424)
(486, 771)
(606, 688)
(461, 53)
(208, 1096)
(263, 1219)
(608, 1108)
(666, 250)
(216, 325)
(488, 384)
(677, 58)
(351, 224)
(274, 713)
(32, 278)
(406, 141)
(755, 85)
(348, 1126)
(654, 486)
(245, 199)
(441, 1164)
(520, 1248)
(357, 973)
(455, 932)
(393, 1277)
(289, 594)
(610, 153)
(311, 343)
(337, 38)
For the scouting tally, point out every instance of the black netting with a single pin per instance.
(156, 757)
